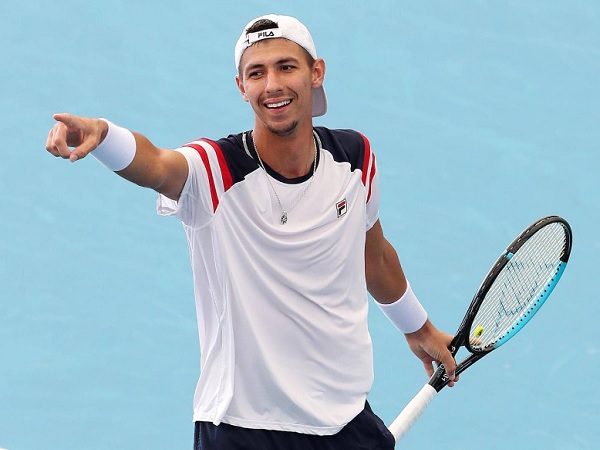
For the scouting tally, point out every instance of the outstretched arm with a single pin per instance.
(387, 284)
(74, 137)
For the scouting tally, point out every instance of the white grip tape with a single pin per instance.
(412, 412)
(117, 150)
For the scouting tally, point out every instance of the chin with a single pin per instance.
(283, 130)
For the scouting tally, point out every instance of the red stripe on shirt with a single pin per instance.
(225, 172)
(211, 178)
(365, 169)
(373, 169)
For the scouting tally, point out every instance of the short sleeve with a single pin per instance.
(194, 207)
(373, 199)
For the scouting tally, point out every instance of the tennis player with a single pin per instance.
(285, 241)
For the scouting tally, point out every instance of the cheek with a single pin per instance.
(306, 83)
(251, 92)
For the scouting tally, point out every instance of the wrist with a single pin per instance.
(117, 149)
(407, 314)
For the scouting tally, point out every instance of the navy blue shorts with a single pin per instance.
(365, 432)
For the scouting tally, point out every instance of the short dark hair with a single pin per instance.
(266, 24)
(260, 25)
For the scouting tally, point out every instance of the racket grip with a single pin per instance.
(412, 412)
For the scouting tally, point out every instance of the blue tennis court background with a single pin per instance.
(484, 117)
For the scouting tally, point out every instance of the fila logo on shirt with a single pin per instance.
(341, 208)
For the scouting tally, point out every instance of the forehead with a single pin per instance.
(271, 50)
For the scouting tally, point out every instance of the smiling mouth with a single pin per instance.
(278, 104)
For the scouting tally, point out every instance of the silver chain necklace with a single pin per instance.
(284, 212)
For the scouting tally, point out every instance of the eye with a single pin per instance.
(254, 72)
(287, 67)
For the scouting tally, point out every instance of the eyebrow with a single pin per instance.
(279, 62)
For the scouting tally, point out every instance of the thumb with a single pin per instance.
(93, 133)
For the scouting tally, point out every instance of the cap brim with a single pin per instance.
(319, 102)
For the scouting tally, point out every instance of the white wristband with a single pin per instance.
(406, 313)
(117, 150)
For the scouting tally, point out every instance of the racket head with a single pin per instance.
(518, 284)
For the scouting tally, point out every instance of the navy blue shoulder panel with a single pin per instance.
(238, 161)
(344, 145)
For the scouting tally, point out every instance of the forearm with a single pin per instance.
(146, 167)
(133, 157)
(387, 283)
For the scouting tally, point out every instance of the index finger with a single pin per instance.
(68, 119)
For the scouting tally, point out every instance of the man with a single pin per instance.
(282, 225)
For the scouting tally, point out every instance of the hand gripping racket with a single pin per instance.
(512, 292)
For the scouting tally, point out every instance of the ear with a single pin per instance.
(240, 85)
(318, 73)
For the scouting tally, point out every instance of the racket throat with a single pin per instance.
(439, 379)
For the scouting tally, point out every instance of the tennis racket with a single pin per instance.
(514, 289)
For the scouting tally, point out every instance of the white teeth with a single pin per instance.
(279, 105)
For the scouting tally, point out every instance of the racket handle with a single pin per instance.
(412, 412)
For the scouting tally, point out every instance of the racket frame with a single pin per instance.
(461, 339)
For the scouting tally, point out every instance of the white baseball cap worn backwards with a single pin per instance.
(289, 28)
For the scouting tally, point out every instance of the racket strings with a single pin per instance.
(519, 286)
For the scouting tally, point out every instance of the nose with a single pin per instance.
(273, 84)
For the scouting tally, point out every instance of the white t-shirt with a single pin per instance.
(281, 309)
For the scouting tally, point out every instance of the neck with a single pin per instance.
(290, 156)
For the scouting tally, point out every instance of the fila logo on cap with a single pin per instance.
(265, 34)
(251, 38)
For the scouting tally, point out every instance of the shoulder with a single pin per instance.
(227, 154)
(345, 145)
(231, 147)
